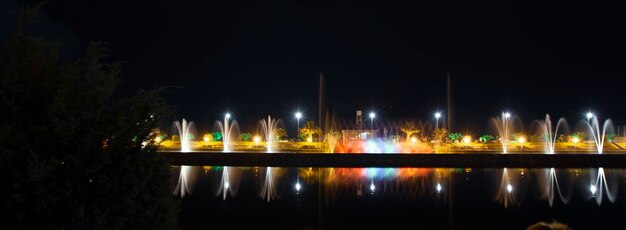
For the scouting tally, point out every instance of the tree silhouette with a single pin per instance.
(309, 129)
(279, 133)
(73, 156)
(409, 128)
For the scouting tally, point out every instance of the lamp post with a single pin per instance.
(589, 116)
(437, 116)
(298, 116)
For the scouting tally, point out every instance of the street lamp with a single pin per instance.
(298, 116)
(437, 116)
(507, 115)
(372, 116)
(589, 116)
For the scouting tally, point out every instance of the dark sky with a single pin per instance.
(255, 58)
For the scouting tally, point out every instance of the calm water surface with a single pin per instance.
(393, 198)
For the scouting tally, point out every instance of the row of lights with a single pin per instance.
(372, 115)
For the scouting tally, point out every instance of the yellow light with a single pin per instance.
(206, 139)
(157, 139)
(575, 140)
(310, 139)
(521, 140)
(413, 139)
(256, 139)
(467, 139)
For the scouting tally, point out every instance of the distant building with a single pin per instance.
(358, 134)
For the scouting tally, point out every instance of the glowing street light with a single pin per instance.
(467, 139)
(413, 139)
(256, 139)
(437, 116)
(227, 116)
(372, 187)
(372, 116)
(298, 115)
(589, 116)
(507, 115)
(509, 188)
(298, 186)
(438, 187)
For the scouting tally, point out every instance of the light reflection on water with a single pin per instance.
(514, 191)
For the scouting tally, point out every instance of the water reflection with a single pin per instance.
(370, 197)
(185, 181)
(552, 188)
(512, 186)
(505, 195)
(600, 186)
(269, 184)
(229, 182)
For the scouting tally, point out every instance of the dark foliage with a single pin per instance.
(72, 157)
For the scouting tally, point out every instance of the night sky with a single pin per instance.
(259, 58)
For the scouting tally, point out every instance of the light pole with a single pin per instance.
(372, 116)
(298, 116)
(589, 116)
(437, 116)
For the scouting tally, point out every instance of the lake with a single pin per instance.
(392, 198)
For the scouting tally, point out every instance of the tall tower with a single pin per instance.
(321, 103)
(449, 113)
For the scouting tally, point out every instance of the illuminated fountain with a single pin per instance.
(268, 126)
(550, 135)
(229, 130)
(331, 139)
(185, 132)
(504, 125)
(268, 190)
(598, 135)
